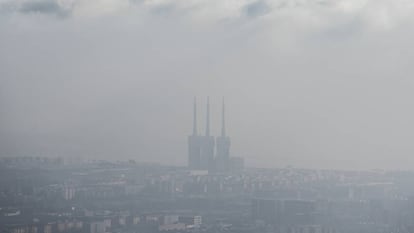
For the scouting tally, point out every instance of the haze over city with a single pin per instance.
(311, 84)
(206, 116)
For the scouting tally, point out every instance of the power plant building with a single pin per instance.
(205, 152)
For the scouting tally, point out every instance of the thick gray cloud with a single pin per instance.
(43, 7)
(308, 83)
(257, 9)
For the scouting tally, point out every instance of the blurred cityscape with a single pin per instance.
(99, 131)
(215, 193)
(46, 195)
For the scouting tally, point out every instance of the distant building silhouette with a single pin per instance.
(194, 144)
(223, 145)
(201, 149)
(207, 145)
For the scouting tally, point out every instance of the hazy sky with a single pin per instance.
(308, 83)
